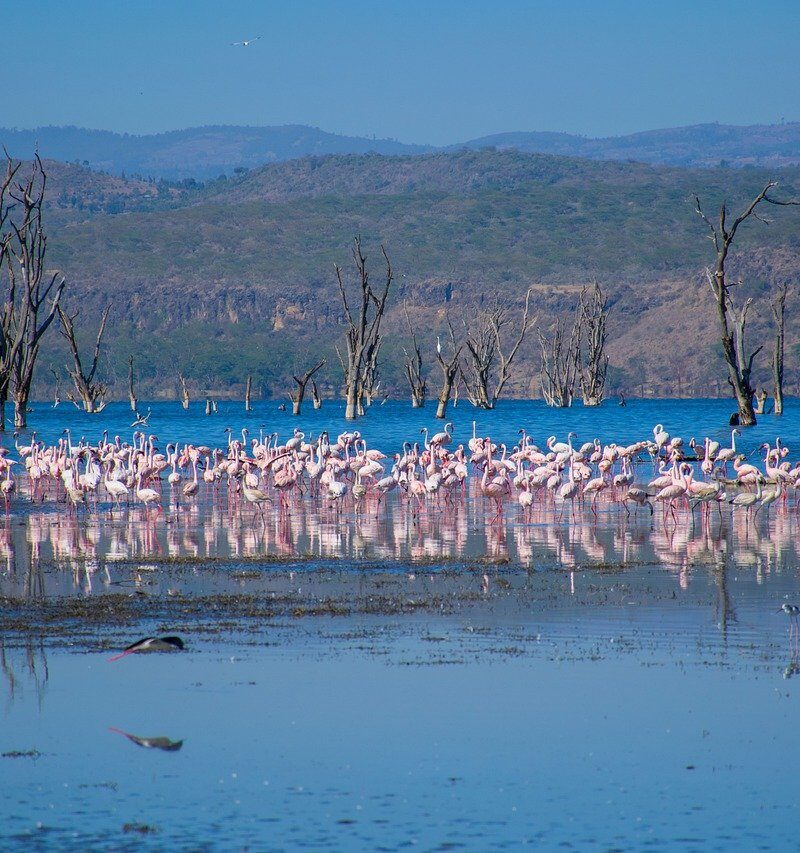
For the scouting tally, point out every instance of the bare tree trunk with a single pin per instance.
(778, 311)
(593, 315)
(450, 368)
(131, 391)
(21, 400)
(739, 364)
(247, 392)
(371, 385)
(482, 349)
(497, 321)
(315, 398)
(184, 391)
(302, 381)
(363, 334)
(26, 316)
(91, 393)
(413, 365)
(559, 368)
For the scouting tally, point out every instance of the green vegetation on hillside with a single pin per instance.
(236, 276)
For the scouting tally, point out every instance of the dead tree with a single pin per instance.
(363, 334)
(57, 392)
(489, 361)
(302, 381)
(315, 398)
(371, 385)
(498, 320)
(560, 364)
(413, 365)
(131, 392)
(778, 310)
(722, 235)
(92, 394)
(32, 293)
(248, 390)
(481, 351)
(184, 391)
(450, 367)
(593, 315)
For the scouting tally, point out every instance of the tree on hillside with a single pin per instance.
(33, 292)
(91, 393)
(731, 321)
(363, 338)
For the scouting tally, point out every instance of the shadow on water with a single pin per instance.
(162, 743)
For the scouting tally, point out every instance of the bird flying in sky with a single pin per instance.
(245, 43)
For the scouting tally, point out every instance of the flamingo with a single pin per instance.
(145, 494)
(442, 439)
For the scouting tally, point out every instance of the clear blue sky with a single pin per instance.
(419, 70)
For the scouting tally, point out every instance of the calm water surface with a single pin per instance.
(387, 426)
(620, 719)
(619, 683)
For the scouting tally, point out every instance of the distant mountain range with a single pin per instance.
(206, 152)
(198, 152)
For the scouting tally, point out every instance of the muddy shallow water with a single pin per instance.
(342, 704)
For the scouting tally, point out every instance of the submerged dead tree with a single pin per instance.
(131, 390)
(248, 393)
(362, 338)
(593, 315)
(33, 292)
(450, 367)
(731, 323)
(560, 364)
(8, 335)
(184, 391)
(490, 357)
(481, 347)
(315, 398)
(92, 394)
(413, 365)
(302, 380)
(778, 306)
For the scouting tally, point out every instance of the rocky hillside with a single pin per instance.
(236, 276)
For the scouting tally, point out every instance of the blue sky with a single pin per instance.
(436, 71)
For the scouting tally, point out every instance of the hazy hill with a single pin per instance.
(236, 276)
(703, 145)
(206, 152)
(198, 152)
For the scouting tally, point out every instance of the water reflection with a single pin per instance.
(42, 548)
(24, 666)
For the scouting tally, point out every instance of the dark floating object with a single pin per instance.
(152, 644)
(162, 743)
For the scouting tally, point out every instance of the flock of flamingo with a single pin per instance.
(429, 474)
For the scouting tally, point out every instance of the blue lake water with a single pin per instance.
(616, 718)
(388, 426)
(600, 682)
